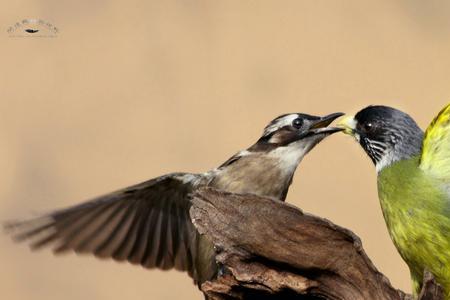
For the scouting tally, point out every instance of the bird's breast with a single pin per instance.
(417, 216)
(263, 177)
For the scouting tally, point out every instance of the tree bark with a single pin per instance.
(268, 249)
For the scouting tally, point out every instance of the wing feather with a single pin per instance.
(81, 234)
(116, 230)
(145, 224)
(124, 249)
(153, 245)
(61, 227)
(138, 253)
(435, 157)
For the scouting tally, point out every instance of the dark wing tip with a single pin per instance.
(9, 226)
(26, 229)
(14, 228)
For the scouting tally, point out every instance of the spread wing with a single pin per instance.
(146, 224)
(435, 158)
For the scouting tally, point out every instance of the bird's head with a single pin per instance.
(296, 131)
(269, 165)
(386, 134)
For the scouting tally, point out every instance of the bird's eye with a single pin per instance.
(297, 123)
(368, 127)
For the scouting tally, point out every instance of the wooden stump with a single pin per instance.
(272, 250)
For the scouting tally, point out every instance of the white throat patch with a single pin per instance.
(289, 156)
(386, 160)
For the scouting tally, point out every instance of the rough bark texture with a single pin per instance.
(272, 250)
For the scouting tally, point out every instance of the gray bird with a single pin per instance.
(149, 223)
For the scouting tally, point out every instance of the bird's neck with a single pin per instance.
(266, 174)
(401, 149)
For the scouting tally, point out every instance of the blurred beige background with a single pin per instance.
(130, 90)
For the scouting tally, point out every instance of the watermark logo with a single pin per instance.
(33, 28)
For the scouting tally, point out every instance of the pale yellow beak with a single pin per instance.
(348, 123)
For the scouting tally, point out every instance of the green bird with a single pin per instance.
(413, 185)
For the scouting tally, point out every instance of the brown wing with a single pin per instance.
(146, 224)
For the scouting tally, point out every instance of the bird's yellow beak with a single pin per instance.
(348, 123)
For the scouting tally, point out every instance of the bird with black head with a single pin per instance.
(413, 179)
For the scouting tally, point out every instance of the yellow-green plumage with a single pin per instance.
(416, 208)
(435, 158)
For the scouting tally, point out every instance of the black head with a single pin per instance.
(385, 133)
(290, 128)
